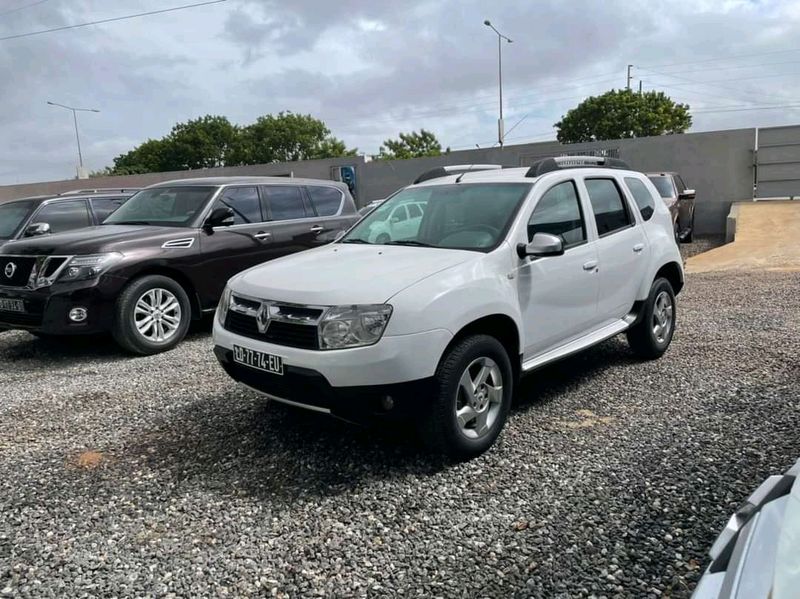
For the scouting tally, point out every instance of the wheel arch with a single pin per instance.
(672, 272)
(500, 326)
(177, 276)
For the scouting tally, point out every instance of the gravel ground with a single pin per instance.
(155, 476)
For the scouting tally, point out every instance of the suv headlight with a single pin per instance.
(224, 304)
(81, 268)
(353, 326)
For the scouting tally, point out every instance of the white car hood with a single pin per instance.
(339, 273)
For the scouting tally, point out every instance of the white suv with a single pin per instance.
(507, 270)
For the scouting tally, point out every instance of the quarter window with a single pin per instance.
(64, 216)
(642, 196)
(326, 200)
(609, 209)
(244, 202)
(285, 202)
(559, 213)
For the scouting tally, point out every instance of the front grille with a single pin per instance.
(280, 333)
(52, 265)
(16, 271)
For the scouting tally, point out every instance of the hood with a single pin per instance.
(95, 240)
(346, 274)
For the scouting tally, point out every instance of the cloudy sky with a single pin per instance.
(372, 68)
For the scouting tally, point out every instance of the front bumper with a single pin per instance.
(309, 389)
(47, 309)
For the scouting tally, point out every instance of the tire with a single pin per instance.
(677, 235)
(647, 338)
(689, 238)
(383, 238)
(440, 428)
(174, 322)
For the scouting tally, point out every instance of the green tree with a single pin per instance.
(621, 114)
(200, 143)
(150, 157)
(411, 145)
(287, 137)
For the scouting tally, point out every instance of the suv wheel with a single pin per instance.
(383, 238)
(651, 336)
(151, 315)
(472, 397)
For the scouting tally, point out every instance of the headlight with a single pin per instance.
(224, 304)
(81, 268)
(353, 326)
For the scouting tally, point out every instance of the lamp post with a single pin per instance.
(500, 38)
(75, 112)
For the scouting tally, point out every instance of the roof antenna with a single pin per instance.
(458, 179)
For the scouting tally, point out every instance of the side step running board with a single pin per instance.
(608, 331)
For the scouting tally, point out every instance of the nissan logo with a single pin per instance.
(10, 269)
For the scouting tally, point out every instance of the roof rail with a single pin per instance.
(455, 169)
(75, 192)
(547, 165)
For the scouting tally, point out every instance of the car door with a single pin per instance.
(400, 225)
(229, 250)
(327, 203)
(558, 294)
(63, 215)
(622, 247)
(685, 205)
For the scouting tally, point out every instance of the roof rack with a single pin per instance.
(455, 169)
(548, 165)
(76, 192)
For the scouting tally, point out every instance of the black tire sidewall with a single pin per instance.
(448, 376)
(125, 331)
(658, 286)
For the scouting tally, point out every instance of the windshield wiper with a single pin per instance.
(409, 242)
(355, 240)
(129, 222)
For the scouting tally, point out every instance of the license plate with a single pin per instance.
(258, 360)
(11, 305)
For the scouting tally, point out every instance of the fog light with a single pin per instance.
(78, 314)
(387, 402)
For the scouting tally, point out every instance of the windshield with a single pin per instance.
(163, 206)
(471, 216)
(664, 186)
(12, 216)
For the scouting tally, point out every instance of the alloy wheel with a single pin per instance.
(157, 315)
(662, 316)
(479, 398)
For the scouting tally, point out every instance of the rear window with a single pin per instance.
(608, 206)
(326, 200)
(663, 185)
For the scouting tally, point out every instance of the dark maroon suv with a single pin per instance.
(680, 202)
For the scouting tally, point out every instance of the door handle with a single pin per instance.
(262, 235)
(638, 247)
(316, 229)
(591, 265)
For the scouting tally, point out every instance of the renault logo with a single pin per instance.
(10, 269)
(263, 318)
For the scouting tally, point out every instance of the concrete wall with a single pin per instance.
(719, 165)
(778, 162)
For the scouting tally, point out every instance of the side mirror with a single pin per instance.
(36, 229)
(394, 220)
(543, 244)
(686, 194)
(219, 217)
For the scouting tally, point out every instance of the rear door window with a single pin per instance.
(326, 200)
(285, 202)
(64, 215)
(610, 211)
(644, 199)
(244, 202)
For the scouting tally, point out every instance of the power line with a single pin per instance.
(19, 8)
(770, 107)
(722, 58)
(100, 22)
(744, 66)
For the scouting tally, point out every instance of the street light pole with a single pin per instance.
(500, 38)
(77, 135)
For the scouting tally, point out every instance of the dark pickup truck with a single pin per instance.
(163, 258)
